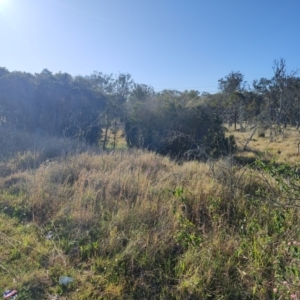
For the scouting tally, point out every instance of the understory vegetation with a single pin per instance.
(110, 190)
(132, 224)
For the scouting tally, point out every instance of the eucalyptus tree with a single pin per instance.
(232, 87)
(280, 95)
(101, 82)
(140, 93)
(283, 83)
(123, 84)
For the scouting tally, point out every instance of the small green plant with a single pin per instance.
(89, 250)
(186, 235)
(288, 276)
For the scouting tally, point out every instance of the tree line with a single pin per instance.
(180, 124)
(270, 103)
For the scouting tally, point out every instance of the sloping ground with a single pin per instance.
(134, 225)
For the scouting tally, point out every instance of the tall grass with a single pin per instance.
(135, 225)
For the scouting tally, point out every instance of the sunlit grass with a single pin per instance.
(283, 147)
(130, 224)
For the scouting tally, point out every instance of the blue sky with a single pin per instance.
(168, 44)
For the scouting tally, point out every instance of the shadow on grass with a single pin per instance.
(249, 161)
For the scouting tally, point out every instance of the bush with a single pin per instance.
(169, 128)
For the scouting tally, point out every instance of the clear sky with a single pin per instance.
(168, 44)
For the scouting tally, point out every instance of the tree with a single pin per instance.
(232, 87)
(284, 84)
(122, 85)
(168, 124)
(88, 106)
(140, 93)
(103, 83)
(17, 90)
(3, 71)
(280, 97)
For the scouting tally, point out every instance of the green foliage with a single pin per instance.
(186, 235)
(89, 250)
(51, 104)
(287, 180)
(168, 126)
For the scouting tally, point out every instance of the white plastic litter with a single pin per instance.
(65, 280)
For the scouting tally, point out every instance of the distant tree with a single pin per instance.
(17, 90)
(140, 93)
(3, 71)
(232, 86)
(280, 96)
(123, 85)
(263, 88)
(284, 84)
(88, 106)
(103, 83)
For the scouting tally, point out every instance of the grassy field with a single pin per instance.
(134, 225)
(283, 147)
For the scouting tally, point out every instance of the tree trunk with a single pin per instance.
(106, 133)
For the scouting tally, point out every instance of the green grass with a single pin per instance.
(135, 225)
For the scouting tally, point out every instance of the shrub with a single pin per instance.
(172, 129)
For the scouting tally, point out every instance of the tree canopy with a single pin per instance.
(177, 123)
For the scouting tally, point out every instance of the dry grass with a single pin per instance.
(283, 147)
(136, 225)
